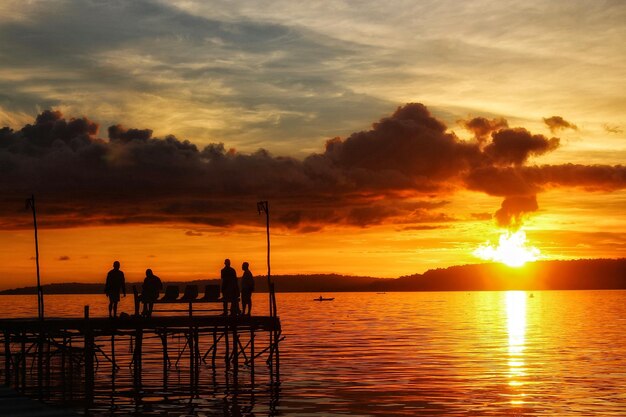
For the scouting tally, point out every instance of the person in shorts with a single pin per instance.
(115, 284)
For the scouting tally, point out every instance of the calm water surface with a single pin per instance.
(552, 353)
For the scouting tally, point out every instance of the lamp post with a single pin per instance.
(30, 203)
(263, 207)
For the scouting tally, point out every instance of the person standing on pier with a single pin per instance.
(247, 288)
(230, 289)
(152, 285)
(114, 284)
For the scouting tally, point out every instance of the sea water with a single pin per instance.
(545, 353)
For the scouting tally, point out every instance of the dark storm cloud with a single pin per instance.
(556, 123)
(399, 172)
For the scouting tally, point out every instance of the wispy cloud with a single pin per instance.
(289, 75)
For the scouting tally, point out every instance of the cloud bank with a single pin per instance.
(401, 171)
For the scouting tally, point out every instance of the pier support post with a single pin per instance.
(214, 353)
(227, 353)
(235, 356)
(137, 357)
(48, 370)
(89, 355)
(113, 362)
(197, 355)
(192, 352)
(7, 358)
(277, 356)
(40, 339)
(163, 337)
(252, 356)
(23, 357)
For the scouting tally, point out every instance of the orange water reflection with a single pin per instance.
(516, 327)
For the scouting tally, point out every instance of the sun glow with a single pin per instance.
(512, 250)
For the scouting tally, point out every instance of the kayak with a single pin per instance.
(323, 299)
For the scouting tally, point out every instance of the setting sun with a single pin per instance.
(512, 250)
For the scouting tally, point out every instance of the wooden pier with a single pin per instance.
(60, 358)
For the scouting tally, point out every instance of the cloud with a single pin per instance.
(482, 127)
(515, 146)
(210, 76)
(615, 129)
(119, 133)
(423, 227)
(481, 216)
(192, 233)
(556, 123)
(400, 171)
(513, 208)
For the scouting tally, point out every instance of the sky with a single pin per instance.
(388, 137)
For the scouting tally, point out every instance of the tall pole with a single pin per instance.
(31, 203)
(263, 207)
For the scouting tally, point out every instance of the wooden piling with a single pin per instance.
(214, 354)
(235, 355)
(7, 358)
(40, 375)
(23, 359)
(89, 355)
(137, 357)
(192, 351)
(197, 355)
(252, 356)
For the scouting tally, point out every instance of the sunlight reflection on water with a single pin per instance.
(516, 326)
(459, 354)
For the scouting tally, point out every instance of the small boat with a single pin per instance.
(320, 298)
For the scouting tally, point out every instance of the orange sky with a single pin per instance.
(560, 231)
(522, 125)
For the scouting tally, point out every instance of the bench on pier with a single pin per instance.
(189, 297)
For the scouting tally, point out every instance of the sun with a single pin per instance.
(512, 250)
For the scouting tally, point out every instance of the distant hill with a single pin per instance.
(583, 274)
(543, 275)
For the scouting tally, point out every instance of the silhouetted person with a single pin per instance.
(247, 288)
(115, 284)
(230, 289)
(152, 285)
